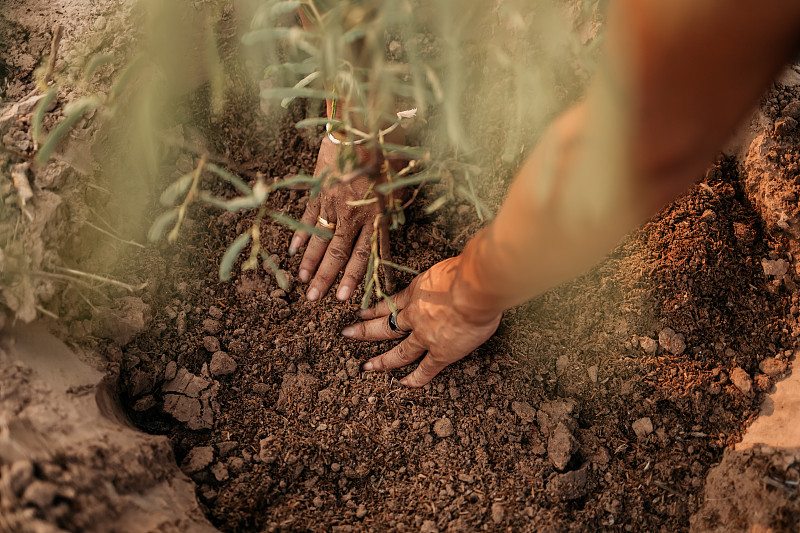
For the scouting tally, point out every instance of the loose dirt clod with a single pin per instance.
(742, 380)
(672, 342)
(222, 364)
(642, 427)
(443, 427)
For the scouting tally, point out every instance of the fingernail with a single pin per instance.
(362, 313)
(313, 294)
(343, 293)
(349, 331)
(304, 275)
(404, 382)
(367, 367)
(295, 244)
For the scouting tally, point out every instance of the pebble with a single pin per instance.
(776, 268)
(742, 380)
(443, 427)
(560, 446)
(428, 526)
(498, 513)
(592, 371)
(171, 371)
(672, 342)
(524, 410)
(643, 427)
(772, 367)
(211, 326)
(222, 364)
(648, 344)
(318, 502)
(361, 512)
(198, 459)
(220, 472)
(211, 344)
(335, 467)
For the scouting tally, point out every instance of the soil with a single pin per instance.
(603, 404)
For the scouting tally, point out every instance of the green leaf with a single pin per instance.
(161, 223)
(305, 82)
(177, 188)
(38, 113)
(242, 203)
(300, 226)
(95, 63)
(280, 277)
(295, 180)
(437, 204)
(210, 199)
(416, 179)
(412, 152)
(75, 112)
(399, 267)
(229, 258)
(281, 8)
(125, 77)
(234, 180)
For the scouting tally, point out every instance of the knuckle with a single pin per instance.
(338, 253)
(362, 254)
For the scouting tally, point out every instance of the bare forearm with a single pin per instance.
(667, 100)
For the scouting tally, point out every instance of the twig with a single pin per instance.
(46, 312)
(51, 62)
(120, 239)
(102, 279)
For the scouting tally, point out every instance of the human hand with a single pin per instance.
(426, 310)
(350, 246)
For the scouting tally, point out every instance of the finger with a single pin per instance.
(314, 251)
(424, 373)
(309, 218)
(336, 256)
(400, 300)
(357, 266)
(377, 329)
(401, 355)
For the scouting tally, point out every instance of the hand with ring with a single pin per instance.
(352, 227)
(428, 324)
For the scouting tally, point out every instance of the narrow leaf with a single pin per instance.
(161, 223)
(300, 226)
(296, 180)
(63, 127)
(318, 121)
(38, 113)
(302, 84)
(178, 188)
(234, 180)
(280, 277)
(416, 179)
(229, 258)
(95, 63)
(399, 267)
(296, 93)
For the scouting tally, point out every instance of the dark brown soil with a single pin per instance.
(535, 431)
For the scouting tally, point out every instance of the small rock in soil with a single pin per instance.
(198, 459)
(776, 268)
(260, 388)
(569, 485)
(215, 312)
(222, 364)
(672, 342)
(170, 371)
(592, 371)
(211, 344)
(763, 382)
(772, 367)
(361, 512)
(643, 427)
(648, 345)
(443, 427)
(40, 494)
(498, 513)
(125, 321)
(560, 446)
(211, 326)
(429, 526)
(145, 403)
(524, 410)
(742, 380)
(220, 472)
(266, 453)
